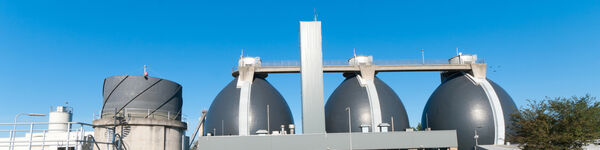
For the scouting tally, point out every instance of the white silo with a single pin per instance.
(58, 119)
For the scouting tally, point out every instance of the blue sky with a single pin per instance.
(52, 52)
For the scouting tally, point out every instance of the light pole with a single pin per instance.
(476, 137)
(349, 127)
(12, 138)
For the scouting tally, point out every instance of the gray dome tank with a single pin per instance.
(224, 112)
(351, 94)
(465, 104)
(141, 96)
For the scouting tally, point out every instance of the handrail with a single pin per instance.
(120, 145)
(200, 124)
(36, 123)
(75, 136)
(94, 141)
(145, 113)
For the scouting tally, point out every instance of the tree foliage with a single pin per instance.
(557, 123)
(418, 127)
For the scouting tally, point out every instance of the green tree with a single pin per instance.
(557, 123)
(418, 127)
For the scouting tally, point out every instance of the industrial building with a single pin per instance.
(139, 112)
(362, 113)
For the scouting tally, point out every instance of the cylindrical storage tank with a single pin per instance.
(388, 108)
(265, 105)
(59, 118)
(146, 111)
(141, 96)
(470, 105)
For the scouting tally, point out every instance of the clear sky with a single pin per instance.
(57, 51)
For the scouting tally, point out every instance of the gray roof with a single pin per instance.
(140, 95)
(222, 116)
(350, 94)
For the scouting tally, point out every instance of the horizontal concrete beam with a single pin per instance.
(380, 140)
(378, 68)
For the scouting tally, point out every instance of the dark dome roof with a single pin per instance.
(139, 95)
(460, 104)
(224, 111)
(350, 94)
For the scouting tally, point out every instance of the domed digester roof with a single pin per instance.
(363, 111)
(224, 114)
(141, 96)
(467, 104)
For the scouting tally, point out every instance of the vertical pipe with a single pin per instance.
(77, 140)
(392, 124)
(10, 139)
(349, 127)
(476, 139)
(83, 137)
(44, 140)
(68, 134)
(268, 120)
(426, 121)
(112, 140)
(222, 127)
(423, 55)
(30, 135)
(121, 135)
(183, 144)
(107, 144)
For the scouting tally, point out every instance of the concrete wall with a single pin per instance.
(144, 133)
(333, 141)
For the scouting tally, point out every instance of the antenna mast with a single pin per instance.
(423, 55)
(242, 54)
(457, 51)
(145, 71)
(315, 14)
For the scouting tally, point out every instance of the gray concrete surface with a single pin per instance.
(381, 140)
(143, 133)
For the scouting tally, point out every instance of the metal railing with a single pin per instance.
(345, 62)
(65, 109)
(37, 135)
(129, 113)
(295, 63)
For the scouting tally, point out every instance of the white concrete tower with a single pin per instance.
(59, 117)
(311, 72)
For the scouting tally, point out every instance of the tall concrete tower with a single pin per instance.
(311, 72)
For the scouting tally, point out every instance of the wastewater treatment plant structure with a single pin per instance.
(140, 112)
